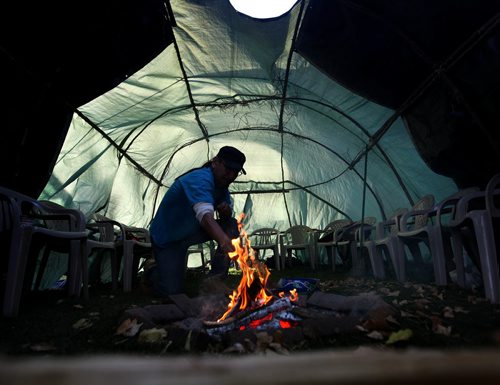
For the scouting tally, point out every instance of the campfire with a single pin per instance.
(252, 304)
(288, 315)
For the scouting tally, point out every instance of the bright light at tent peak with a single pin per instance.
(263, 9)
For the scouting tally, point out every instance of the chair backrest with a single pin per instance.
(78, 220)
(492, 191)
(424, 203)
(264, 236)
(45, 213)
(298, 234)
(391, 225)
(336, 224)
(9, 213)
(125, 232)
(446, 210)
(366, 224)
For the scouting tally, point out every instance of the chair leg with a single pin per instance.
(42, 267)
(458, 256)
(128, 256)
(438, 258)
(84, 268)
(114, 269)
(397, 252)
(277, 258)
(312, 257)
(330, 252)
(485, 237)
(357, 259)
(75, 262)
(289, 257)
(18, 256)
(376, 261)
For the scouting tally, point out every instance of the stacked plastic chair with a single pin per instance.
(23, 219)
(477, 219)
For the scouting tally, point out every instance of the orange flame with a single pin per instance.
(251, 269)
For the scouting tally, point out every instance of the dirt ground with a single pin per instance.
(444, 318)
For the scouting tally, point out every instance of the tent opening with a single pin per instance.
(263, 9)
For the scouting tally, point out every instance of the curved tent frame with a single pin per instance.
(230, 79)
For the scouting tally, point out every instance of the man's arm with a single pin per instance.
(213, 229)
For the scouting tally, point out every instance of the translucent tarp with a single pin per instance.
(238, 83)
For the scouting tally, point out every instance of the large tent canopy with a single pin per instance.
(344, 108)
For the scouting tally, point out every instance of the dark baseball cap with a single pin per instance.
(233, 158)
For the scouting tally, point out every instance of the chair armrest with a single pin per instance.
(407, 220)
(364, 228)
(383, 228)
(139, 234)
(465, 204)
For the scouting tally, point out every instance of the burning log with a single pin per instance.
(248, 304)
(244, 320)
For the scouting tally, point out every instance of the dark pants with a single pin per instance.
(167, 276)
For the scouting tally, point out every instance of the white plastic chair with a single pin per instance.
(330, 232)
(415, 229)
(479, 222)
(200, 249)
(25, 218)
(355, 235)
(267, 238)
(297, 237)
(135, 243)
(383, 245)
(446, 213)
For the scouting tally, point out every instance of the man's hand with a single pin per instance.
(227, 246)
(224, 210)
(216, 232)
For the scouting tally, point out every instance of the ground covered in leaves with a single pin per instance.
(426, 316)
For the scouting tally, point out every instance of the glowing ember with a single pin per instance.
(252, 290)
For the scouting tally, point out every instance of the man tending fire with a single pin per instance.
(186, 216)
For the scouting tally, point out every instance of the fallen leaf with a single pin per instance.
(422, 314)
(376, 335)
(400, 335)
(448, 312)
(236, 348)
(407, 314)
(460, 309)
(439, 295)
(389, 293)
(438, 327)
(278, 348)
(42, 347)
(392, 320)
(187, 344)
(422, 303)
(152, 336)
(444, 330)
(82, 323)
(128, 328)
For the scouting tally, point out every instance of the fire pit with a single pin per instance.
(290, 316)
